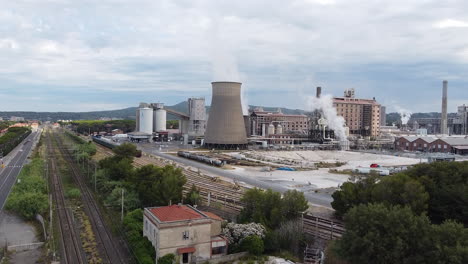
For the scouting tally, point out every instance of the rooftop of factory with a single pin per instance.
(451, 140)
(261, 112)
(350, 100)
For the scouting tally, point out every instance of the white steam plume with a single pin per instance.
(405, 114)
(335, 122)
(224, 62)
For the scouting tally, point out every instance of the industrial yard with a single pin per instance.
(319, 179)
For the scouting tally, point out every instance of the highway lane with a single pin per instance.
(314, 198)
(9, 174)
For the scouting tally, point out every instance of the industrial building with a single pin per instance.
(184, 231)
(151, 120)
(456, 145)
(460, 123)
(226, 127)
(197, 113)
(362, 116)
(263, 123)
(446, 124)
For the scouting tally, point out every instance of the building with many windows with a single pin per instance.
(264, 123)
(362, 116)
(184, 231)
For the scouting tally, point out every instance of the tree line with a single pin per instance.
(417, 216)
(12, 138)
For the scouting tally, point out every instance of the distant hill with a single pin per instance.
(129, 113)
(126, 113)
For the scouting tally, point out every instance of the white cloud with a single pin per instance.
(147, 45)
(451, 23)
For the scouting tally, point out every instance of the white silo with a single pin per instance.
(279, 129)
(271, 129)
(146, 120)
(160, 120)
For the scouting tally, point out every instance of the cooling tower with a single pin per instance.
(443, 120)
(225, 128)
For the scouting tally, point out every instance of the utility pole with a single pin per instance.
(122, 216)
(95, 175)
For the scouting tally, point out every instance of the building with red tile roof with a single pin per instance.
(184, 231)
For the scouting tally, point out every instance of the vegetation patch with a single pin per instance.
(29, 196)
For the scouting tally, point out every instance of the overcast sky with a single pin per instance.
(81, 55)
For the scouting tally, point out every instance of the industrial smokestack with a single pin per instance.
(225, 128)
(443, 120)
(319, 92)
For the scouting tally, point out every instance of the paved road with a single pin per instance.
(10, 172)
(314, 198)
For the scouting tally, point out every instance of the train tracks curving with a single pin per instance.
(111, 251)
(71, 249)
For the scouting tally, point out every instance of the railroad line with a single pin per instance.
(229, 197)
(71, 249)
(112, 252)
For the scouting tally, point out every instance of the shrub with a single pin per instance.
(73, 193)
(253, 245)
(166, 259)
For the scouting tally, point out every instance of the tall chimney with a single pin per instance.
(319, 91)
(443, 120)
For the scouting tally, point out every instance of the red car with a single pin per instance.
(374, 165)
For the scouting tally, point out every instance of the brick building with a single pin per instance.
(184, 231)
(456, 145)
(362, 116)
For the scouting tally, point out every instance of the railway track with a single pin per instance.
(229, 196)
(71, 249)
(111, 252)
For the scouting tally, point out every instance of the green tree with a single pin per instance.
(253, 244)
(158, 186)
(28, 204)
(141, 246)
(351, 194)
(131, 200)
(401, 190)
(376, 233)
(294, 203)
(117, 168)
(166, 259)
(450, 243)
(193, 196)
(126, 151)
(447, 185)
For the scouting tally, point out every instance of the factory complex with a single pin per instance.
(348, 122)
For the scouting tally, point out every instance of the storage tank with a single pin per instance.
(226, 128)
(137, 128)
(160, 120)
(146, 120)
(279, 129)
(271, 129)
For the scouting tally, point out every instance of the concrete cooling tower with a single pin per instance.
(225, 128)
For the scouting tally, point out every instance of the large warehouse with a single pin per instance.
(456, 145)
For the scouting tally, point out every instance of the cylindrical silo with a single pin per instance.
(279, 129)
(271, 129)
(160, 120)
(137, 128)
(146, 120)
(226, 128)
